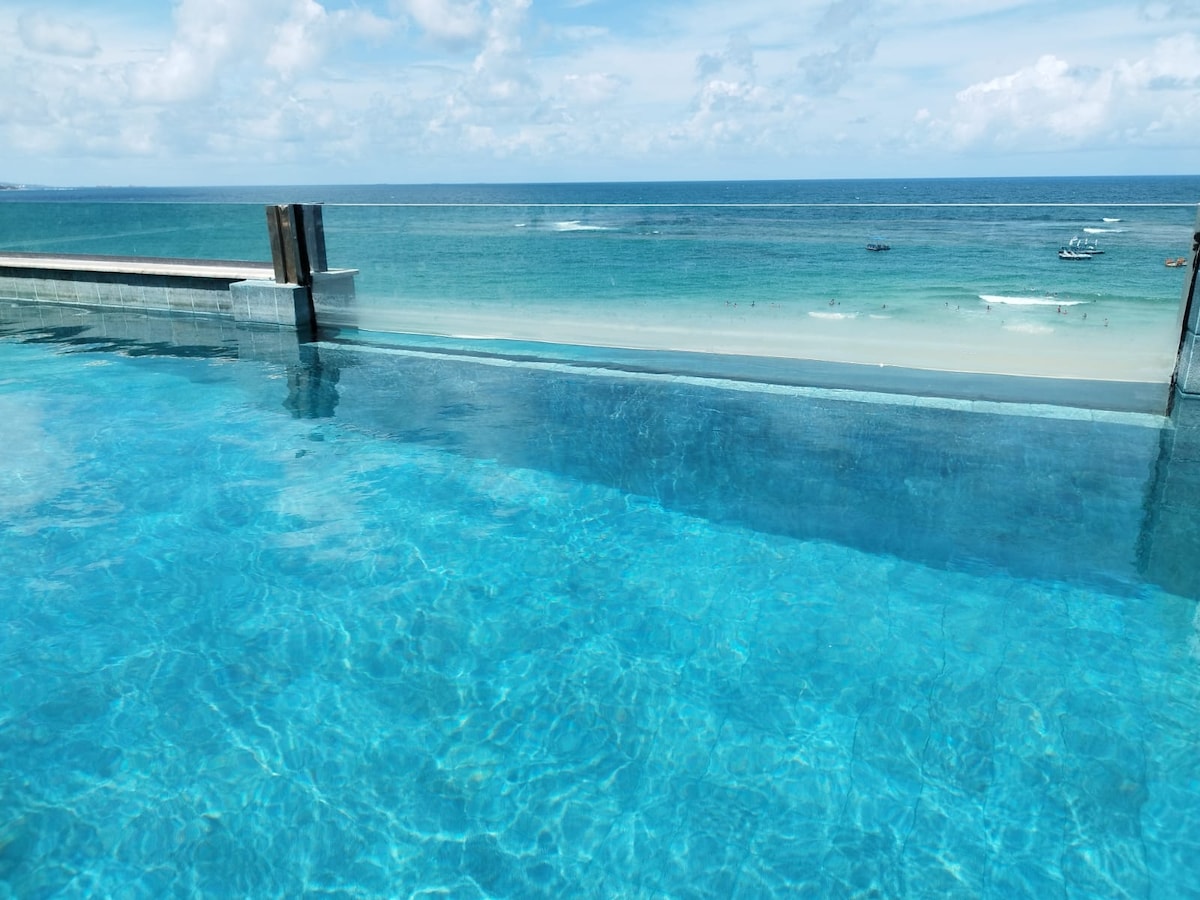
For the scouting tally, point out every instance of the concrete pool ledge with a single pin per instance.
(241, 290)
(224, 270)
(290, 290)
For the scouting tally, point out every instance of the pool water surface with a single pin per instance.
(351, 621)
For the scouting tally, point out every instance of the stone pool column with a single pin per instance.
(304, 286)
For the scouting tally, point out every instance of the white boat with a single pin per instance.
(1083, 245)
(1066, 253)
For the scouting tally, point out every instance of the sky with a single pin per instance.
(240, 92)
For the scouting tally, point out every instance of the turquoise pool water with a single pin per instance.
(349, 621)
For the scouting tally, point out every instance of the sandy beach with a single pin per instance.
(1048, 341)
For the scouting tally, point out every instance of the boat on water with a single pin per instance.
(1065, 253)
(876, 245)
(1083, 245)
(1177, 263)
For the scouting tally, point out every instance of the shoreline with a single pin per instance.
(970, 344)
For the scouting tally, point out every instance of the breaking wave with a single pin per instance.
(576, 225)
(1029, 301)
(1029, 328)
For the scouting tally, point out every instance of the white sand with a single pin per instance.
(1042, 342)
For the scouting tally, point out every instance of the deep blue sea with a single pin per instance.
(346, 618)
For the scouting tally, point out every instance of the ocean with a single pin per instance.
(972, 281)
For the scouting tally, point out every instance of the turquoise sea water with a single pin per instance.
(776, 268)
(342, 619)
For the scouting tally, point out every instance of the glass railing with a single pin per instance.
(160, 229)
(972, 280)
(977, 289)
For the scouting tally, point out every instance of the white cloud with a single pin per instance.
(735, 108)
(44, 34)
(845, 16)
(726, 111)
(829, 72)
(1170, 10)
(738, 54)
(452, 23)
(378, 89)
(592, 89)
(1053, 104)
(209, 36)
(501, 68)
(299, 41)
(493, 105)
(1045, 97)
(307, 33)
(1174, 63)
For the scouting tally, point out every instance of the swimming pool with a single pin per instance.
(356, 620)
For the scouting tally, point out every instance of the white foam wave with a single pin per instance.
(576, 225)
(1029, 328)
(1107, 219)
(833, 315)
(1029, 301)
(1103, 230)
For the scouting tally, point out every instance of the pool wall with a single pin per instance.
(138, 332)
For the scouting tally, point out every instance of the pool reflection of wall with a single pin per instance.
(1170, 549)
(1169, 552)
(1058, 497)
(133, 334)
(312, 385)
(1066, 497)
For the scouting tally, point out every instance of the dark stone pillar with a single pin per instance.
(297, 235)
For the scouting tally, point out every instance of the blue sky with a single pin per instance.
(205, 92)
